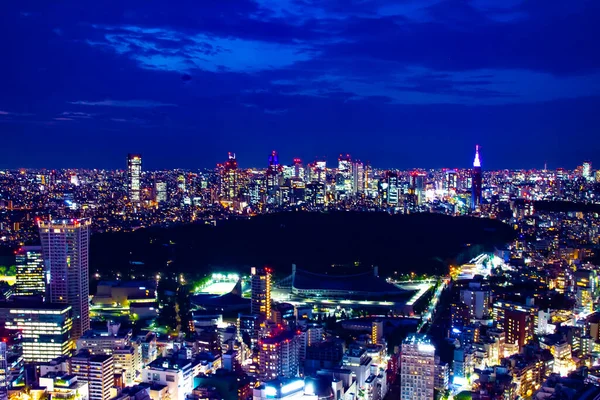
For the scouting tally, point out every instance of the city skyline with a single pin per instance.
(409, 85)
(294, 159)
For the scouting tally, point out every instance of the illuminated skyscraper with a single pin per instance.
(477, 181)
(389, 188)
(274, 174)
(358, 176)
(261, 292)
(45, 328)
(230, 184)
(65, 248)
(343, 179)
(134, 174)
(417, 186)
(450, 180)
(417, 368)
(160, 192)
(586, 170)
(298, 169)
(31, 277)
(279, 355)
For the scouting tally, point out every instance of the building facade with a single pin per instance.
(417, 368)
(65, 248)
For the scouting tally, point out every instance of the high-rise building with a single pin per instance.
(160, 191)
(230, 180)
(417, 186)
(586, 170)
(95, 369)
(389, 188)
(450, 180)
(377, 332)
(65, 248)
(134, 177)
(261, 292)
(343, 179)
(477, 298)
(477, 181)
(274, 174)
(298, 170)
(3, 371)
(45, 328)
(417, 368)
(31, 276)
(358, 176)
(517, 321)
(279, 356)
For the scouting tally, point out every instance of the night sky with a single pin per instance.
(403, 83)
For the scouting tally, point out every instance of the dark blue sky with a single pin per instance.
(403, 83)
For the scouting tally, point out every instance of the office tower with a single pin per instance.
(417, 186)
(160, 191)
(65, 245)
(97, 371)
(586, 170)
(450, 180)
(343, 179)
(298, 170)
(45, 329)
(477, 181)
(230, 179)
(274, 174)
(358, 176)
(388, 188)
(517, 321)
(31, 276)
(417, 368)
(134, 174)
(477, 299)
(261, 292)
(377, 332)
(230, 185)
(279, 356)
(181, 183)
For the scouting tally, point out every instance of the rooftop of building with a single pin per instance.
(280, 337)
(34, 305)
(169, 363)
(364, 281)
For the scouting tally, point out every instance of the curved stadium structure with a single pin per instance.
(366, 284)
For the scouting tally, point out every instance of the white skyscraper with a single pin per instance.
(417, 368)
(134, 173)
(65, 248)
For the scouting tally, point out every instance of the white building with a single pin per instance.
(417, 368)
(175, 373)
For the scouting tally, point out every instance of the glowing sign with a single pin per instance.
(270, 391)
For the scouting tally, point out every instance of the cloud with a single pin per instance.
(171, 50)
(123, 103)
(4, 113)
(77, 114)
(63, 119)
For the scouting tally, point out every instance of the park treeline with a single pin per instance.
(423, 243)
